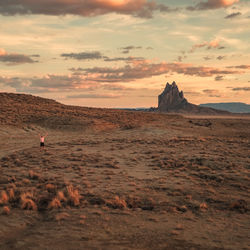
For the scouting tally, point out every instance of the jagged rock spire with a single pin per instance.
(171, 98)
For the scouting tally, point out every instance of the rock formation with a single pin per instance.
(172, 100)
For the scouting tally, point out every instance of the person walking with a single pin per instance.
(42, 141)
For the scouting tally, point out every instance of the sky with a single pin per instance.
(121, 53)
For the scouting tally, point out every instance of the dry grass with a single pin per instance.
(73, 195)
(33, 175)
(27, 201)
(4, 198)
(11, 194)
(117, 203)
(203, 206)
(60, 196)
(62, 216)
(26, 181)
(6, 210)
(54, 204)
(50, 187)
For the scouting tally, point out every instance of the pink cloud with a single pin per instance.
(214, 44)
(213, 4)
(141, 8)
(110, 78)
(145, 69)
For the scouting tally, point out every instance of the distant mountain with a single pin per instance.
(234, 107)
(171, 100)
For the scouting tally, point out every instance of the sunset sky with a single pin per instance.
(121, 53)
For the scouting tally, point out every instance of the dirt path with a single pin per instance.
(145, 188)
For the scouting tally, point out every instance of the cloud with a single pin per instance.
(127, 59)
(214, 44)
(211, 92)
(92, 96)
(14, 59)
(192, 93)
(146, 69)
(126, 50)
(115, 87)
(48, 83)
(207, 58)
(83, 55)
(220, 57)
(95, 55)
(86, 8)
(219, 78)
(57, 83)
(212, 4)
(239, 67)
(241, 89)
(233, 15)
(35, 55)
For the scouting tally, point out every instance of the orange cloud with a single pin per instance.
(145, 69)
(109, 78)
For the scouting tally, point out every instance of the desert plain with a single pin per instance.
(117, 179)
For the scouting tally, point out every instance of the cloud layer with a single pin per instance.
(212, 4)
(14, 58)
(140, 8)
(146, 69)
(83, 55)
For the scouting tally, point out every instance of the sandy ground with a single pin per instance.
(182, 185)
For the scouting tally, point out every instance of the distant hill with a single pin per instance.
(22, 110)
(234, 107)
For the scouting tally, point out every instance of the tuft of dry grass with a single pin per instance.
(33, 175)
(6, 210)
(117, 203)
(60, 196)
(73, 195)
(82, 219)
(11, 194)
(4, 198)
(27, 201)
(50, 187)
(240, 205)
(61, 216)
(175, 232)
(203, 206)
(26, 181)
(55, 203)
(179, 227)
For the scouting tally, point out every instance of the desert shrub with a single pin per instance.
(11, 194)
(55, 203)
(60, 196)
(73, 195)
(240, 205)
(143, 203)
(4, 197)
(50, 187)
(203, 206)
(117, 203)
(33, 175)
(61, 216)
(6, 210)
(27, 201)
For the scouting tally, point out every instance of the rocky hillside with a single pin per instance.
(21, 110)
